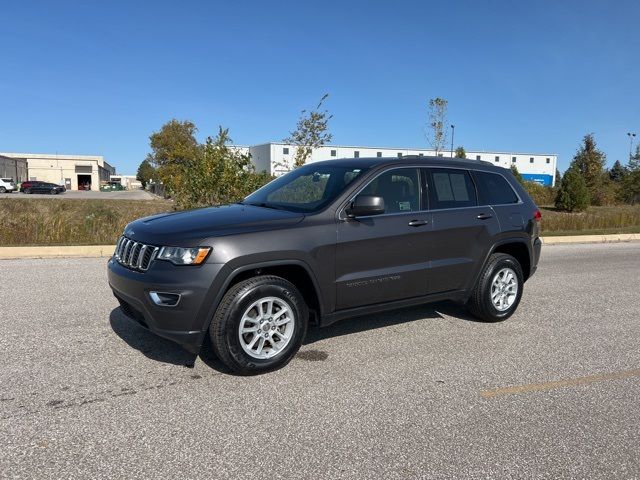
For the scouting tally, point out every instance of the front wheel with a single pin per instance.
(259, 325)
(499, 289)
(3, 190)
(27, 191)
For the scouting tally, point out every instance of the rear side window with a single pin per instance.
(449, 188)
(493, 189)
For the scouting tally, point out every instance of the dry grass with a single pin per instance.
(100, 222)
(595, 221)
(70, 222)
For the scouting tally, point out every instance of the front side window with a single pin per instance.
(450, 188)
(493, 189)
(306, 189)
(400, 189)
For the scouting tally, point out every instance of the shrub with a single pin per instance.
(573, 195)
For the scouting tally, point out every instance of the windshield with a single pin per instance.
(307, 189)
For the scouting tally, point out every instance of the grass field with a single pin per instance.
(100, 222)
(595, 221)
(70, 222)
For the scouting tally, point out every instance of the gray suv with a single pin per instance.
(327, 241)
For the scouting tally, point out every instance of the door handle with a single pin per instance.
(417, 223)
(484, 216)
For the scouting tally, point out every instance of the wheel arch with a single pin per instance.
(296, 271)
(519, 250)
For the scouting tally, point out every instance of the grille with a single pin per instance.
(135, 255)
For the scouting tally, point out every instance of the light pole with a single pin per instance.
(453, 131)
(631, 137)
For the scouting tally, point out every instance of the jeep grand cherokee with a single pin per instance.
(329, 240)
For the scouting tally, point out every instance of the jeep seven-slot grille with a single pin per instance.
(135, 255)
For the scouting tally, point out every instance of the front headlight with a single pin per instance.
(184, 256)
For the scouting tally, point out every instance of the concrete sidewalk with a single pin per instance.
(107, 250)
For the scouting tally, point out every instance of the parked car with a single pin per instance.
(26, 187)
(7, 185)
(42, 187)
(327, 241)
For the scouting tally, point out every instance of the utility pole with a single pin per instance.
(453, 131)
(631, 136)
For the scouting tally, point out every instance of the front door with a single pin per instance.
(461, 231)
(382, 258)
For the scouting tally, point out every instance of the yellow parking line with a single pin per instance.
(536, 387)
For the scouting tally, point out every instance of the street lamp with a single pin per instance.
(453, 131)
(631, 136)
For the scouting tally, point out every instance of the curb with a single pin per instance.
(65, 251)
(611, 238)
(78, 251)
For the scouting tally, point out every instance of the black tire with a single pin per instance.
(27, 191)
(224, 328)
(54, 191)
(3, 190)
(480, 304)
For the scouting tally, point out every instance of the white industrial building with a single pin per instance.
(277, 158)
(84, 172)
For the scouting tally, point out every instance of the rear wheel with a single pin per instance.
(259, 325)
(3, 190)
(27, 191)
(499, 289)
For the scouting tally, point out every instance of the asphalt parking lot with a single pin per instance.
(424, 392)
(84, 195)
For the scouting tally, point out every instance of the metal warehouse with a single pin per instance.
(277, 158)
(75, 172)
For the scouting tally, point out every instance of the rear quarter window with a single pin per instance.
(493, 189)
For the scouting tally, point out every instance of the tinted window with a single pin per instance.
(400, 189)
(493, 189)
(449, 188)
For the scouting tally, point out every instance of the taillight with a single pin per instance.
(537, 216)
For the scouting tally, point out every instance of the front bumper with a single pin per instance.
(185, 323)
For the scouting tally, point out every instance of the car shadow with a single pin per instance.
(162, 350)
(147, 343)
(389, 318)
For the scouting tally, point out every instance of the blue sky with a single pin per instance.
(99, 77)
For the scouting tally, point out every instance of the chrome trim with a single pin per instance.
(131, 254)
(155, 298)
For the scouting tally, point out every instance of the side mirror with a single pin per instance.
(364, 205)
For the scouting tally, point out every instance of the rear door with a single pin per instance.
(461, 232)
(494, 189)
(381, 258)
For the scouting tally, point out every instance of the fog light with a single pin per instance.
(165, 299)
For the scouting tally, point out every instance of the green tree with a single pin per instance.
(634, 160)
(573, 195)
(558, 179)
(437, 121)
(461, 152)
(172, 148)
(629, 191)
(517, 174)
(589, 162)
(146, 173)
(617, 172)
(311, 132)
(220, 175)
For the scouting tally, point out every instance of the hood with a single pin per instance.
(189, 228)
